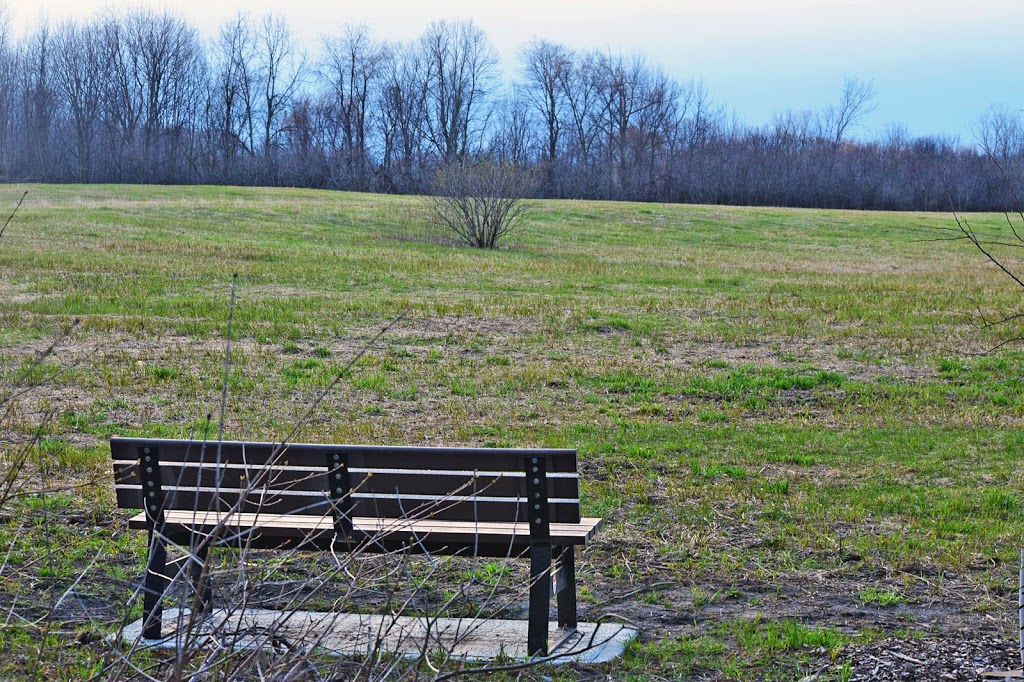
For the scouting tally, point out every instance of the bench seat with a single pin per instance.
(317, 532)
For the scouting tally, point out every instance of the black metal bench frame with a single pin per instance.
(484, 502)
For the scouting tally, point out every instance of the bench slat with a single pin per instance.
(232, 476)
(188, 499)
(319, 529)
(446, 507)
(497, 484)
(359, 456)
(437, 483)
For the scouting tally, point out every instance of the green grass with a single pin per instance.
(759, 397)
(874, 595)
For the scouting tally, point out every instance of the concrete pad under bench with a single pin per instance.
(346, 634)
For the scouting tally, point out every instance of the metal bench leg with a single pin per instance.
(540, 599)
(201, 579)
(154, 585)
(567, 587)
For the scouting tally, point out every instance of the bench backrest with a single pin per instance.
(461, 484)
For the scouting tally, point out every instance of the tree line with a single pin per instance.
(139, 96)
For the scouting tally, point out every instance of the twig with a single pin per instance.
(1020, 606)
(645, 588)
(533, 662)
(79, 578)
(227, 371)
(37, 361)
(11, 217)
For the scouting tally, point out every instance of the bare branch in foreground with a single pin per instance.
(11, 217)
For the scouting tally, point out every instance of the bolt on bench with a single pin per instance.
(473, 502)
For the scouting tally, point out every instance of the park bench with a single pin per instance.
(474, 502)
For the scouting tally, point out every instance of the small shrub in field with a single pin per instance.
(479, 202)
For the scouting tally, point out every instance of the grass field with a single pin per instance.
(785, 415)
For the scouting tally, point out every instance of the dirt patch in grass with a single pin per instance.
(790, 353)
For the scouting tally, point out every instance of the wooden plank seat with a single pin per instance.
(484, 502)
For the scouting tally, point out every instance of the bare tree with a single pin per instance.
(351, 67)
(123, 108)
(580, 87)
(232, 99)
(153, 100)
(701, 117)
(170, 54)
(281, 70)
(310, 138)
(1000, 133)
(857, 100)
(637, 115)
(79, 75)
(402, 116)
(8, 93)
(38, 101)
(657, 131)
(547, 66)
(514, 140)
(461, 67)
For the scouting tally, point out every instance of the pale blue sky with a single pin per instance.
(937, 64)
